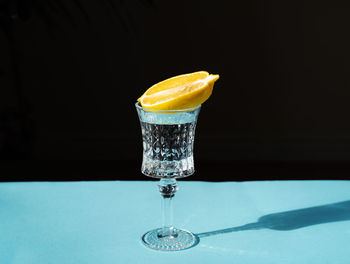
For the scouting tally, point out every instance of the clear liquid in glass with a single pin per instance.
(168, 149)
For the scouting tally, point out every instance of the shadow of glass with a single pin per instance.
(290, 220)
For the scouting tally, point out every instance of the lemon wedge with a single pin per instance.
(179, 92)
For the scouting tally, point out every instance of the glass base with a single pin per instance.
(182, 240)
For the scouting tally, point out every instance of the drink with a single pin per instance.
(168, 137)
(168, 114)
(168, 149)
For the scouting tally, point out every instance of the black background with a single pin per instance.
(71, 71)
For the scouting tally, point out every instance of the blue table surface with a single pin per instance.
(246, 222)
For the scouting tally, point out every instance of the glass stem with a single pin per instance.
(167, 188)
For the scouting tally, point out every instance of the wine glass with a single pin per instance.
(168, 137)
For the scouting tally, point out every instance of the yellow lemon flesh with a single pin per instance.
(179, 92)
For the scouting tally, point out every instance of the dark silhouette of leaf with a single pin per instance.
(83, 10)
(118, 13)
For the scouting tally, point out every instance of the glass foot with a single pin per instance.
(182, 240)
